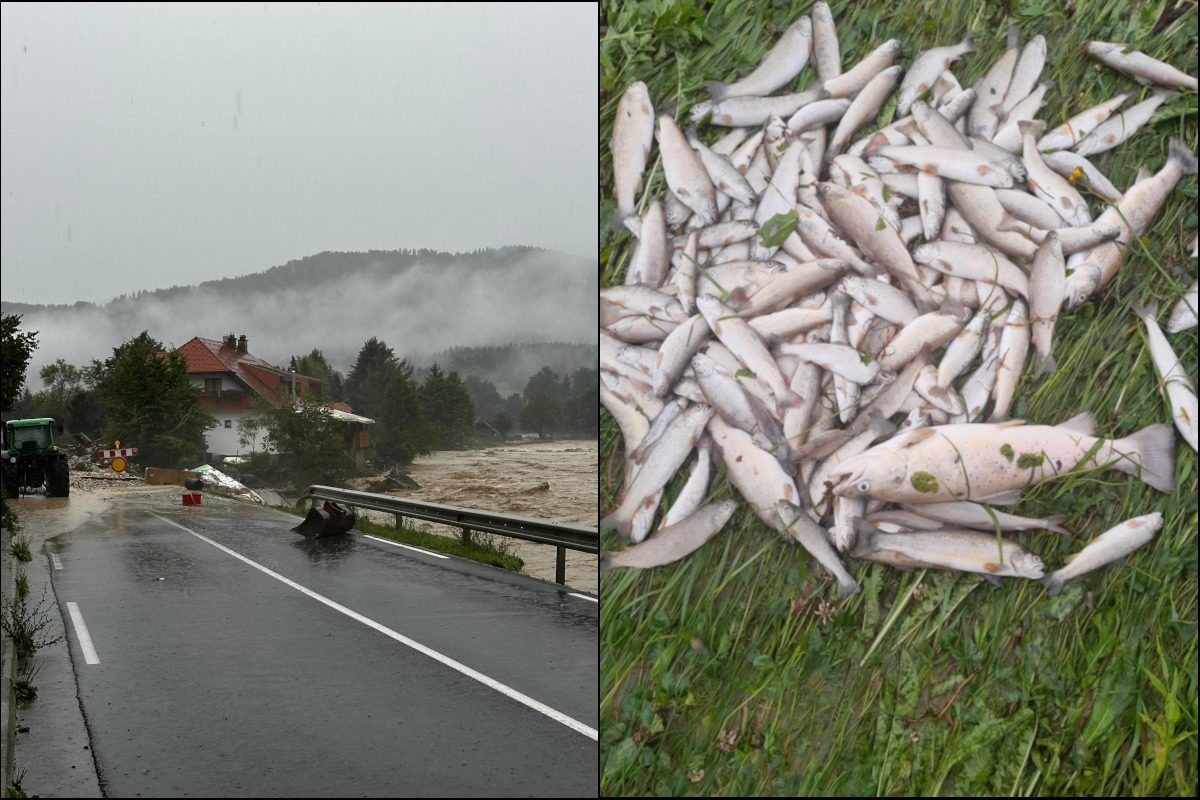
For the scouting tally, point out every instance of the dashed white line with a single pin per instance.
(54, 560)
(491, 683)
(85, 638)
(584, 597)
(407, 546)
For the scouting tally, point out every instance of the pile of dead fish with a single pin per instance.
(805, 283)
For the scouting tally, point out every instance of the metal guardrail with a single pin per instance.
(560, 534)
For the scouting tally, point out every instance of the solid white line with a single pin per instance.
(491, 683)
(409, 546)
(85, 638)
(584, 597)
(55, 561)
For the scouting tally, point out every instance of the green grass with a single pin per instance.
(482, 548)
(719, 674)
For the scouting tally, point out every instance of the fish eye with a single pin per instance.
(864, 486)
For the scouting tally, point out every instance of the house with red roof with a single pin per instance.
(231, 380)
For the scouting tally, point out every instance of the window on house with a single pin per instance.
(228, 423)
(212, 385)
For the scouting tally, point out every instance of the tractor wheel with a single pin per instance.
(12, 482)
(58, 478)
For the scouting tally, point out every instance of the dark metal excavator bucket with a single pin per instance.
(329, 520)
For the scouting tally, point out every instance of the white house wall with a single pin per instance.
(224, 441)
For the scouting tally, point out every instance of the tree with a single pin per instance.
(17, 350)
(150, 404)
(314, 365)
(545, 382)
(367, 385)
(448, 408)
(541, 414)
(502, 423)
(310, 444)
(402, 431)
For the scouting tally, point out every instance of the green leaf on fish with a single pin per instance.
(744, 373)
(1030, 460)
(1007, 451)
(887, 194)
(865, 357)
(924, 482)
(777, 228)
(880, 224)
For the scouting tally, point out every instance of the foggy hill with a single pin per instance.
(418, 302)
(511, 366)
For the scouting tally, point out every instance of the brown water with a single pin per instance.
(547, 480)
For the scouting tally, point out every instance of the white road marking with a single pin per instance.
(584, 597)
(54, 560)
(408, 546)
(491, 683)
(85, 638)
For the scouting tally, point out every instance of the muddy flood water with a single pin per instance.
(547, 480)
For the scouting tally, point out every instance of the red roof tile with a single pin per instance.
(266, 380)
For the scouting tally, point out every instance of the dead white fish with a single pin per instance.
(1083, 237)
(634, 299)
(1009, 135)
(1173, 379)
(962, 551)
(822, 112)
(943, 398)
(755, 473)
(991, 88)
(1183, 314)
(1073, 131)
(784, 325)
(1048, 184)
(863, 108)
(798, 526)
(1122, 125)
(881, 299)
(676, 351)
(840, 359)
(675, 541)
(1046, 285)
(983, 212)
(957, 165)
(658, 426)
(994, 462)
(782, 62)
(724, 176)
(633, 131)
(1115, 543)
(1141, 67)
(734, 112)
(926, 332)
(853, 80)
(741, 339)
(1014, 347)
(1074, 167)
(826, 56)
(694, 489)
(685, 173)
(1132, 215)
(1026, 73)
(793, 284)
(926, 68)
(739, 408)
(1030, 209)
(660, 464)
(960, 353)
(652, 256)
(823, 238)
(980, 517)
(974, 262)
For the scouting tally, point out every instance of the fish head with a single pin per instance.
(1028, 565)
(869, 474)
(1080, 284)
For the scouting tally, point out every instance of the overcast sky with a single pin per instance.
(147, 146)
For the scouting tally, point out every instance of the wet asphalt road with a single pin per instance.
(217, 679)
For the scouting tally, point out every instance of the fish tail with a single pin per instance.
(1146, 312)
(1155, 463)
(1054, 523)
(1179, 152)
(1046, 365)
(968, 43)
(716, 90)
(606, 560)
(1053, 584)
(618, 521)
(1014, 36)
(848, 586)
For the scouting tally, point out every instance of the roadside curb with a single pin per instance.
(8, 706)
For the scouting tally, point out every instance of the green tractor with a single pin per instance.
(31, 459)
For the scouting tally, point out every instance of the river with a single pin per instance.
(548, 480)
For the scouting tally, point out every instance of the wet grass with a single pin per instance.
(481, 548)
(727, 674)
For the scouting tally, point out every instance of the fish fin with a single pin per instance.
(1146, 312)
(716, 90)
(1154, 446)
(992, 579)
(1181, 153)
(916, 437)
(1083, 423)
(1046, 365)
(1054, 523)
(1052, 583)
(968, 43)
(1009, 498)
(848, 586)
(1014, 36)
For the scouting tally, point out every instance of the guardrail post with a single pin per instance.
(399, 522)
(560, 566)
(466, 536)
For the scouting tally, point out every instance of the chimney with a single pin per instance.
(241, 343)
(229, 340)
